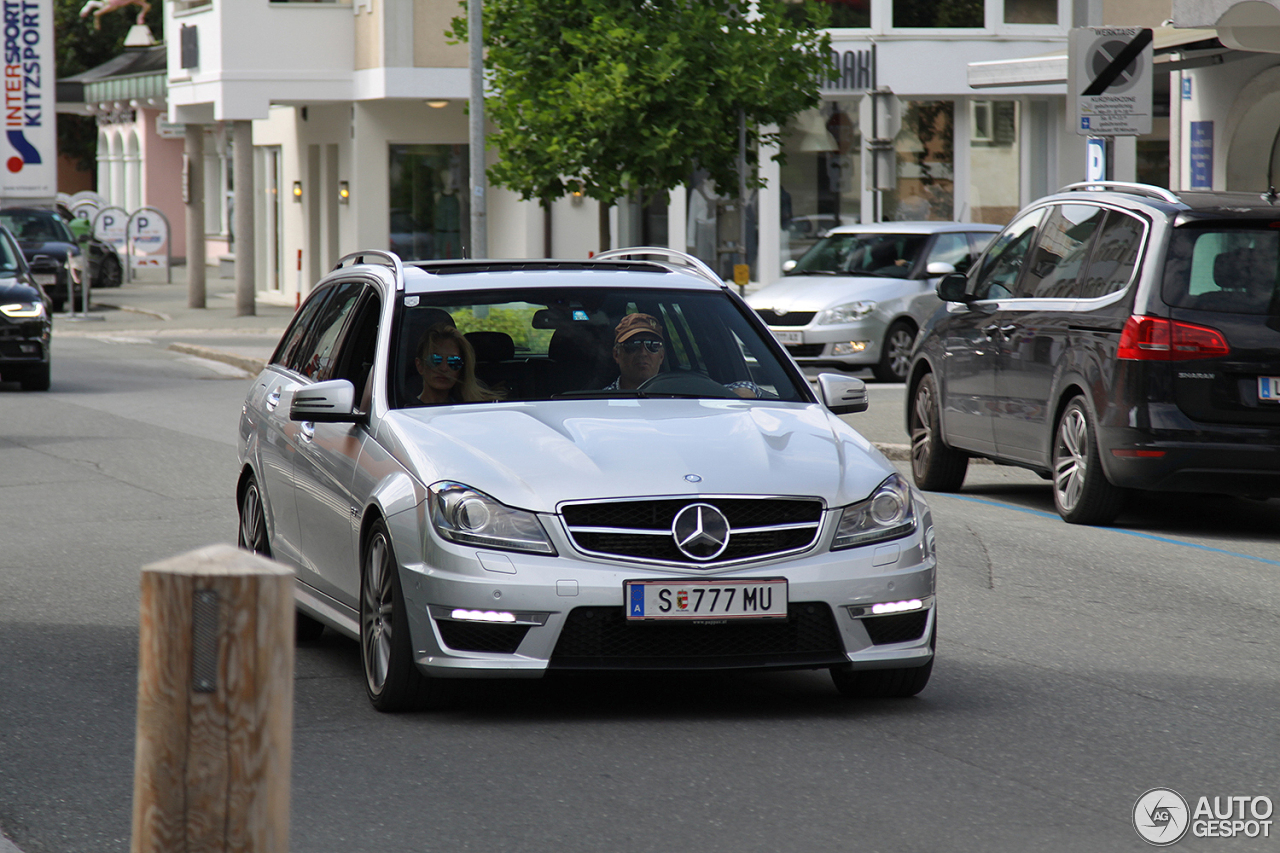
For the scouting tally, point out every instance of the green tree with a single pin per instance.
(611, 97)
(79, 47)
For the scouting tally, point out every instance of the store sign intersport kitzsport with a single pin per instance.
(28, 162)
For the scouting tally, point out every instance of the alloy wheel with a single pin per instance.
(253, 523)
(376, 613)
(1071, 458)
(922, 429)
(899, 344)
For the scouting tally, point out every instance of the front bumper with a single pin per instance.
(848, 344)
(568, 609)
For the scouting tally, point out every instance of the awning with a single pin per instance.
(1195, 48)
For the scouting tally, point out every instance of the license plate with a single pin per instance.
(1269, 389)
(653, 600)
(788, 337)
(45, 277)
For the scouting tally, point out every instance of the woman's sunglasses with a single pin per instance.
(634, 346)
(454, 362)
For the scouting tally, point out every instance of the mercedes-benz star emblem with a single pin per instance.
(701, 532)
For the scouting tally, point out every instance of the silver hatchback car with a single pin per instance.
(857, 298)
(502, 468)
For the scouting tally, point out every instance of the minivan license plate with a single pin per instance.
(704, 599)
(1269, 389)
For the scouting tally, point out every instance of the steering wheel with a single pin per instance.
(685, 383)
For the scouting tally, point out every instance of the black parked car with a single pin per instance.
(25, 321)
(1114, 338)
(56, 257)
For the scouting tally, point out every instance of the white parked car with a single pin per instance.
(460, 462)
(857, 298)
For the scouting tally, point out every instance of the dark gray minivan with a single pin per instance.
(1114, 337)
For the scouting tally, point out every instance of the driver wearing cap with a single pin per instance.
(639, 349)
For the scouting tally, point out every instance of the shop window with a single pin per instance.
(713, 227)
(822, 175)
(995, 160)
(1031, 11)
(844, 13)
(941, 14)
(925, 156)
(429, 215)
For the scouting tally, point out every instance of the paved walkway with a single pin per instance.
(156, 309)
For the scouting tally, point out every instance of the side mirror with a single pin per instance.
(936, 268)
(843, 395)
(952, 288)
(788, 266)
(325, 402)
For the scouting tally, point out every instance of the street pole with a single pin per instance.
(475, 44)
(193, 196)
(742, 203)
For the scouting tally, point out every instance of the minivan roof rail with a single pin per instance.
(682, 258)
(1125, 187)
(391, 259)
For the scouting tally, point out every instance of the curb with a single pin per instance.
(156, 315)
(246, 363)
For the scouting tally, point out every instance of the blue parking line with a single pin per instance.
(1153, 538)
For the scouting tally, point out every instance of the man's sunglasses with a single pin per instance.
(454, 361)
(634, 346)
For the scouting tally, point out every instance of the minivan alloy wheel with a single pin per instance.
(1081, 491)
(934, 466)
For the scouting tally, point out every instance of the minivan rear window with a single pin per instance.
(1227, 268)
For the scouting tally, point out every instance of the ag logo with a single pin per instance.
(1161, 817)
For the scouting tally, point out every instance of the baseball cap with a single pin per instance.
(636, 324)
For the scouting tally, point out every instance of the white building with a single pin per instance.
(359, 133)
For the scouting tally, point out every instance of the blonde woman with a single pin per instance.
(447, 364)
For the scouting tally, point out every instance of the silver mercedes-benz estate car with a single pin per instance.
(502, 468)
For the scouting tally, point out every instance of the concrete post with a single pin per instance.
(243, 178)
(193, 195)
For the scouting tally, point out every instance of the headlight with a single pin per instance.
(461, 514)
(23, 310)
(847, 313)
(888, 514)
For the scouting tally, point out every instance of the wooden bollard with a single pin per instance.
(215, 704)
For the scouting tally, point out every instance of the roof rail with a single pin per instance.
(1125, 187)
(391, 259)
(682, 258)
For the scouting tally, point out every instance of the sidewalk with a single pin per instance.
(156, 309)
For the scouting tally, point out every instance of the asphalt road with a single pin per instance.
(1077, 668)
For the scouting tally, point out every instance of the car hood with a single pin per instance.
(815, 292)
(14, 290)
(536, 455)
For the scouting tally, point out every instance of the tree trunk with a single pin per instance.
(604, 226)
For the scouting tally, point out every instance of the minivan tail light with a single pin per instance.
(1158, 339)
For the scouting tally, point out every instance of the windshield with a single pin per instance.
(37, 227)
(559, 343)
(1224, 268)
(862, 254)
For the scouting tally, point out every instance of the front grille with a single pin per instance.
(641, 530)
(898, 628)
(791, 318)
(481, 636)
(805, 350)
(602, 638)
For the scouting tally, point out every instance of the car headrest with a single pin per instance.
(491, 346)
(577, 343)
(1243, 268)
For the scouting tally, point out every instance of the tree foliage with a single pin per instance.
(608, 97)
(79, 47)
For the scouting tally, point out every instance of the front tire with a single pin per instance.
(392, 679)
(934, 466)
(1081, 491)
(253, 520)
(895, 355)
